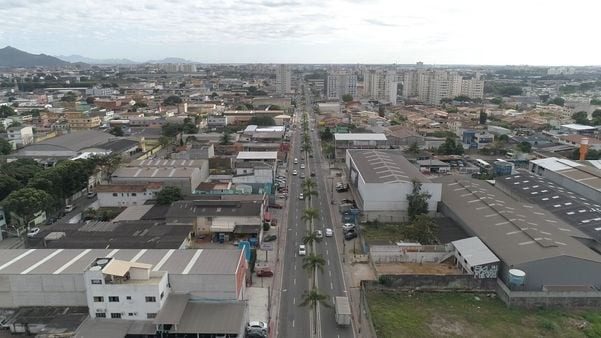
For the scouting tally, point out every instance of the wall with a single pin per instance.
(538, 299)
(394, 253)
(42, 290)
(433, 282)
(562, 270)
(387, 196)
(205, 287)
(106, 199)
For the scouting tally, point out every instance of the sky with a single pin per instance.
(492, 32)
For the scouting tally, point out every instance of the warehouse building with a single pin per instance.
(579, 178)
(184, 178)
(381, 180)
(549, 254)
(342, 142)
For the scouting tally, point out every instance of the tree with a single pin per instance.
(5, 147)
(483, 117)
(164, 141)
(326, 135)
(311, 263)
(116, 131)
(226, 138)
(496, 100)
(169, 195)
(90, 99)
(413, 148)
(597, 114)
(27, 202)
(422, 230)
(450, 147)
(309, 188)
(580, 117)
(503, 138)
(418, 201)
(557, 101)
(462, 98)
(69, 97)
(170, 130)
(262, 121)
(596, 102)
(312, 299)
(189, 128)
(172, 100)
(310, 238)
(7, 185)
(6, 111)
(22, 170)
(524, 147)
(347, 98)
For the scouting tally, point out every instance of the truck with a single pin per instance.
(343, 311)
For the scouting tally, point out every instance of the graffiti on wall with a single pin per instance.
(486, 271)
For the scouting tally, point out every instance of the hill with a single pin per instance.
(79, 58)
(12, 57)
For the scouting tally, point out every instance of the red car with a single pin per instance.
(264, 272)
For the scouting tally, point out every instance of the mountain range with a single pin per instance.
(12, 57)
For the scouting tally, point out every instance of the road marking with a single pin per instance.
(294, 281)
(331, 286)
(328, 262)
(293, 323)
(330, 273)
(295, 267)
(294, 300)
(327, 253)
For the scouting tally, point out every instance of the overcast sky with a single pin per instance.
(310, 31)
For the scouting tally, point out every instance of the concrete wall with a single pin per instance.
(42, 290)
(433, 282)
(394, 253)
(106, 199)
(538, 299)
(205, 287)
(563, 270)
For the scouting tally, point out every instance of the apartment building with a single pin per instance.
(20, 136)
(340, 84)
(430, 86)
(81, 121)
(283, 79)
(381, 85)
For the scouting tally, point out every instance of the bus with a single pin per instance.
(482, 164)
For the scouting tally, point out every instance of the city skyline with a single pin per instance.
(288, 31)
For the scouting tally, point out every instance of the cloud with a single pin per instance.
(377, 22)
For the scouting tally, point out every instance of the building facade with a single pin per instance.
(340, 84)
(283, 79)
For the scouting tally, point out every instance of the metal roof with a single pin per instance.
(474, 251)
(360, 137)
(515, 231)
(576, 126)
(76, 261)
(555, 164)
(212, 318)
(257, 155)
(384, 166)
(576, 210)
(574, 171)
(171, 312)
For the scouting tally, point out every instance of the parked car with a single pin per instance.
(256, 327)
(329, 232)
(32, 232)
(350, 235)
(348, 227)
(301, 196)
(269, 238)
(91, 194)
(318, 234)
(302, 166)
(264, 272)
(302, 250)
(302, 175)
(69, 208)
(294, 172)
(347, 201)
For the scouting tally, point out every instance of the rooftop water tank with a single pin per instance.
(516, 277)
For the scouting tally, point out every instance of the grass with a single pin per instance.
(401, 314)
(382, 232)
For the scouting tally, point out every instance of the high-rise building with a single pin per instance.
(430, 86)
(340, 84)
(283, 79)
(381, 85)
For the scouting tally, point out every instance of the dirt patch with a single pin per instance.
(445, 328)
(416, 269)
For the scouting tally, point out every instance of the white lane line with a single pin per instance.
(330, 273)
(294, 267)
(328, 262)
(293, 300)
(16, 258)
(293, 323)
(294, 281)
(73, 260)
(331, 286)
(327, 253)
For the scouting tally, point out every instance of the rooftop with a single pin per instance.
(574, 209)
(257, 155)
(574, 171)
(127, 187)
(576, 126)
(516, 232)
(76, 261)
(360, 137)
(214, 208)
(167, 163)
(212, 318)
(154, 172)
(384, 166)
(474, 251)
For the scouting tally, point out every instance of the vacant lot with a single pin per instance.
(468, 315)
(382, 233)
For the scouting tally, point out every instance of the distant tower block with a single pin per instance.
(583, 148)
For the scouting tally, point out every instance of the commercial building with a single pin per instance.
(125, 195)
(184, 178)
(20, 136)
(340, 84)
(344, 141)
(548, 253)
(283, 79)
(381, 181)
(570, 175)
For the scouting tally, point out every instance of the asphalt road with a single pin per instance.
(294, 320)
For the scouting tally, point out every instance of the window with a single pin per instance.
(162, 294)
(151, 299)
(115, 194)
(134, 194)
(128, 297)
(113, 299)
(98, 299)
(96, 281)
(151, 315)
(100, 315)
(116, 315)
(131, 314)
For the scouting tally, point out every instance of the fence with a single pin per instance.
(433, 283)
(365, 315)
(413, 254)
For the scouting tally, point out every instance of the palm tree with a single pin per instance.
(313, 262)
(312, 299)
(309, 215)
(311, 238)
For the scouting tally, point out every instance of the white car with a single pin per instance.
(302, 166)
(294, 172)
(302, 250)
(296, 161)
(69, 208)
(32, 232)
(256, 327)
(329, 232)
(301, 196)
(318, 234)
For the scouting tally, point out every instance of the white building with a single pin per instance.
(216, 121)
(283, 79)
(125, 195)
(381, 181)
(20, 136)
(430, 86)
(381, 85)
(184, 178)
(340, 84)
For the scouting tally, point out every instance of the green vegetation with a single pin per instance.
(5, 147)
(418, 201)
(483, 117)
(172, 100)
(116, 131)
(501, 89)
(169, 195)
(226, 138)
(397, 314)
(450, 147)
(347, 98)
(6, 111)
(69, 97)
(421, 229)
(596, 102)
(557, 101)
(377, 232)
